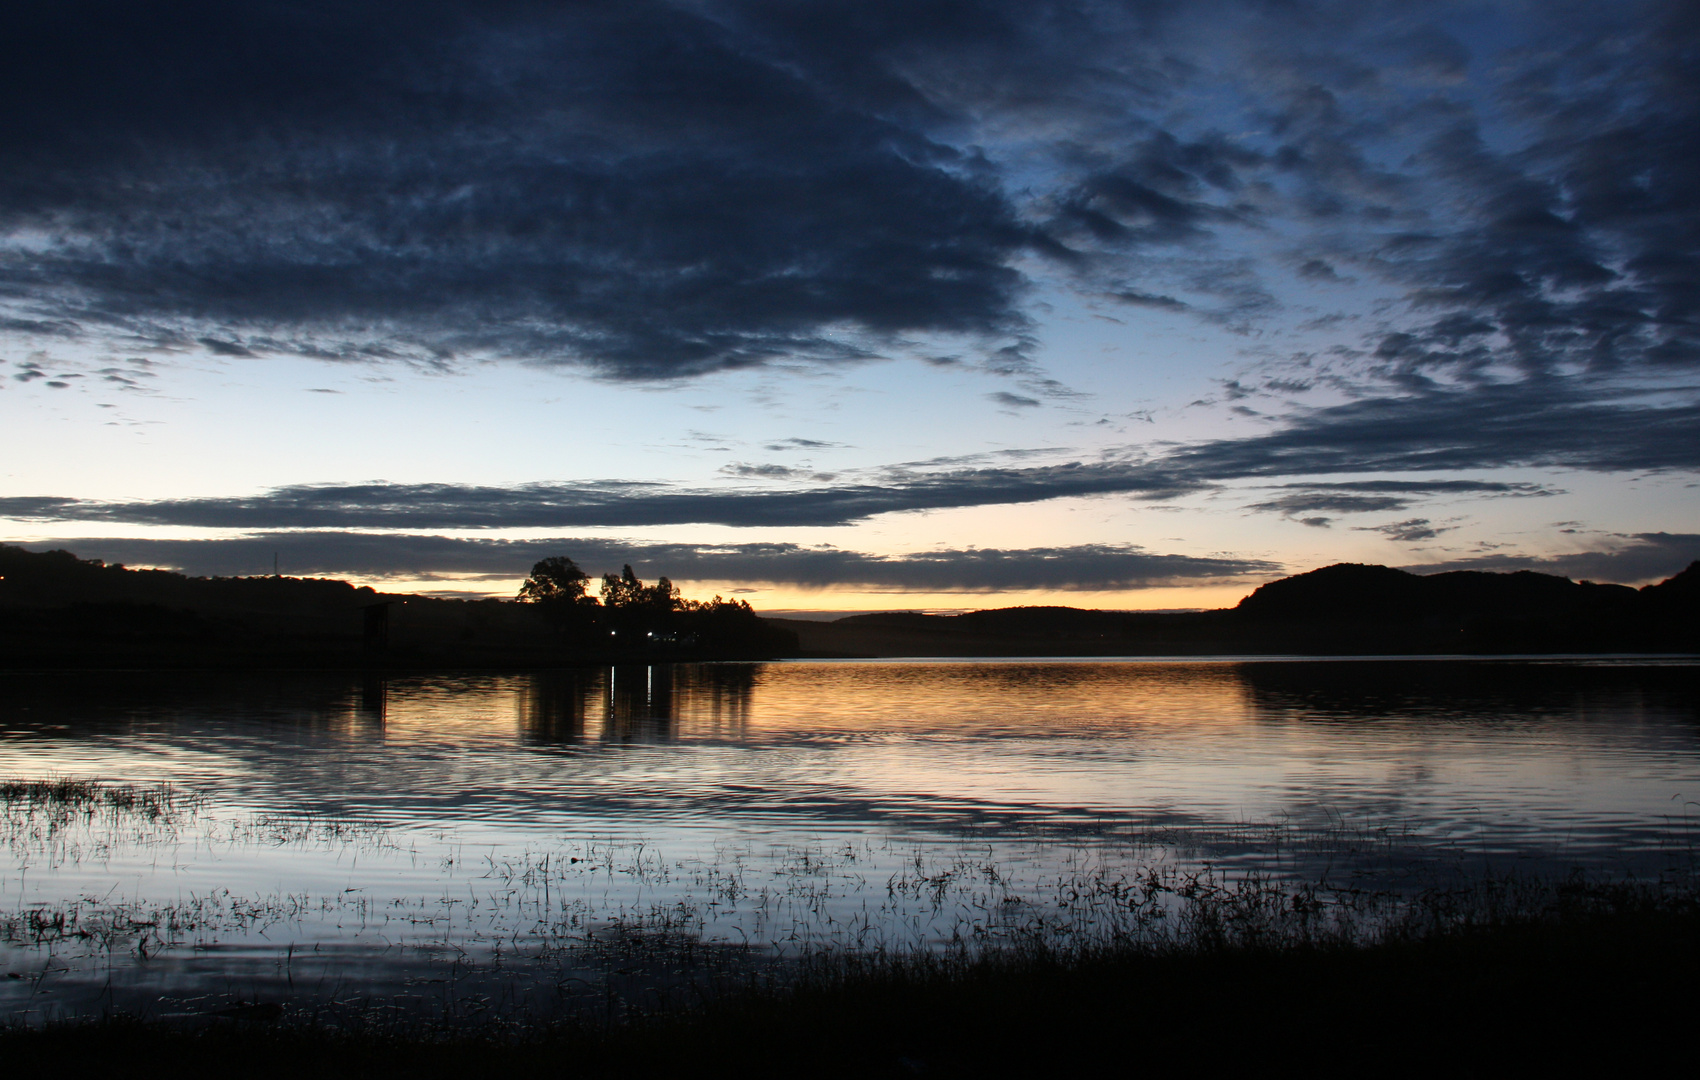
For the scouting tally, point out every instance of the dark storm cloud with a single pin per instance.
(1082, 567)
(1637, 558)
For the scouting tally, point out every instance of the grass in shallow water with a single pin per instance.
(68, 796)
(1497, 975)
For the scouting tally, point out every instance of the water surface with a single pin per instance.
(506, 840)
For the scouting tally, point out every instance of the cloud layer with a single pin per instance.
(659, 189)
(1434, 431)
(1087, 567)
(1476, 225)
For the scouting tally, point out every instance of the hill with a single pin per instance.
(1345, 609)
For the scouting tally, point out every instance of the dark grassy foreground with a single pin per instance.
(1600, 976)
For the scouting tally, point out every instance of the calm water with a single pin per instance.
(501, 842)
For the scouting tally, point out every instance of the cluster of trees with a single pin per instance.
(558, 582)
(631, 613)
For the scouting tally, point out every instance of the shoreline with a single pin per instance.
(1600, 971)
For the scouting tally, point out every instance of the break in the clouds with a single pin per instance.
(1083, 567)
(656, 190)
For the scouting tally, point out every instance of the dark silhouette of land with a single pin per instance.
(57, 610)
(1345, 609)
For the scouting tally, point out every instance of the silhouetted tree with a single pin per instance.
(629, 591)
(556, 580)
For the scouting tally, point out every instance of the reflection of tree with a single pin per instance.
(657, 702)
(374, 699)
(553, 706)
(640, 705)
(720, 697)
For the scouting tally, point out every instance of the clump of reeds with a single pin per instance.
(62, 800)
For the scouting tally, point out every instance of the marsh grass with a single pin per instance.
(67, 797)
(1503, 973)
(600, 935)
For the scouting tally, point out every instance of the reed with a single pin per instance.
(1500, 974)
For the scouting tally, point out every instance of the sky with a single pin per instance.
(853, 305)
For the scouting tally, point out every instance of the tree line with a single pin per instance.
(630, 613)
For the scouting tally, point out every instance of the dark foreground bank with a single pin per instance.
(1607, 975)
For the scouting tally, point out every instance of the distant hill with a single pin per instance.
(1359, 592)
(1345, 609)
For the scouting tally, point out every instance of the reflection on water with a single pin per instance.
(1024, 746)
(726, 802)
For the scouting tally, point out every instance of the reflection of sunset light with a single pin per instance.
(923, 744)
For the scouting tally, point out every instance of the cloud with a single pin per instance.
(645, 190)
(1636, 559)
(1408, 531)
(610, 503)
(663, 189)
(1087, 567)
(1485, 427)
(1150, 300)
(797, 443)
(1548, 422)
(1299, 503)
(1375, 496)
(224, 348)
(660, 190)
(774, 472)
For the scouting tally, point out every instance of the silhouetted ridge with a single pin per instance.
(1684, 588)
(1345, 609)
(58, 610)
(1357, 592)
(58, 578)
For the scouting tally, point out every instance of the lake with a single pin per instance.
(502, 845)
